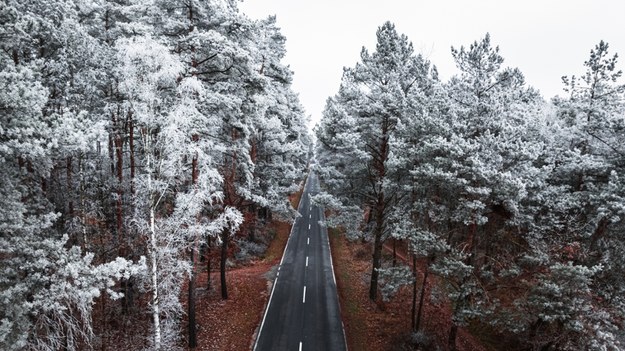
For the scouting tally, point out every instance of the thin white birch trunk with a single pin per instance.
(154, 249)
(155, 301)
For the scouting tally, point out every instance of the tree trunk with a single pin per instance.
(599, 232)
(153, 251)
(222, 268)
(154, 271)
(127, 300)
(191, 305)
(15, 56)
(453, 333)
(377, 261)
(414, 294)
(120, 190)
(111, 149)
(251, 237)
(209, 260)
(422, 297)
(377, 247)
(70, 203)
(472, 249)
(533, 332)
(131, 145)
(379, 159)
(191, 296)
(83, 209)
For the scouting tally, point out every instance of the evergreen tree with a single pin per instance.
(375, 96)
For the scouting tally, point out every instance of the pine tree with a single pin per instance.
(374, 94)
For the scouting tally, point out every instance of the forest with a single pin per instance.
(145, 141)
(514, 204)
(139, 142)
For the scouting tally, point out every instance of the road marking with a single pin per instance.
(308, 226)
(278, 274)
(306, 261)
(310, 215)
(300, 346)
(308, 241)
(304, 297)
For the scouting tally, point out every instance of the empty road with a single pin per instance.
(303, 310)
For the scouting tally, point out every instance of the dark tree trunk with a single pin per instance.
(191, 306)
(111, 146)
(453, 333)
(379, 167)
(472, 249)
(128, 298)
(120, 191)
(377, 247)
(70, 203)
(252, 231)
(377, 262)
(16, 58)
(599, 232)
(422, 296)
(262, 214)
(117, 155)
(191, 292)
(131, 145)
(533, 332)
(222, 268)
(414, 294)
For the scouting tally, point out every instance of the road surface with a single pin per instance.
(303, 310)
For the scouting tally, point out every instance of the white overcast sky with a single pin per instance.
(545, 39)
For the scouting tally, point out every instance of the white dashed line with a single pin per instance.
(300, 346)
(304, 297)
(275, 283)
(308, 241)
(309, 226)
(306, 261)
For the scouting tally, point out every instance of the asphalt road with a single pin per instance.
(303, 310)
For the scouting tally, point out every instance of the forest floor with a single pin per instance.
(231, 325)
(382, 326)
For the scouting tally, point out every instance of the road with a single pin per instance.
(303, 310)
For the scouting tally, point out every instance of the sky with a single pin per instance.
(545, 39)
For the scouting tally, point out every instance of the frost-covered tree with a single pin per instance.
(472, 168)
(280, 140)
(578, 215)
(48, 285)
(374, 101)
(166, 112)
(120, 121)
